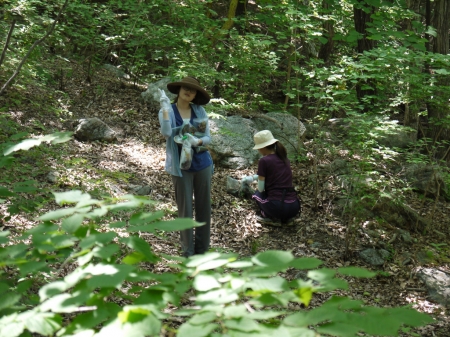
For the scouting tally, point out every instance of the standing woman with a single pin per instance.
(193, 183)
(276, 196)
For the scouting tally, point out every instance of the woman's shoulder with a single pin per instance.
(199, 110)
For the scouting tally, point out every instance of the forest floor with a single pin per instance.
(138, 156)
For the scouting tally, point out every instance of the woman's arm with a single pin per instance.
(166, 120)
(201, 114)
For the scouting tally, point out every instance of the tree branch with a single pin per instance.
(35, 44)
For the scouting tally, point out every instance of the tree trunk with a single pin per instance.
(362, 17)
(326, 50)
(438, 105)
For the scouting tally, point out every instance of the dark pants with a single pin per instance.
(197, 184)
(275, 209)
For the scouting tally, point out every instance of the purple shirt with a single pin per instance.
(278, 175)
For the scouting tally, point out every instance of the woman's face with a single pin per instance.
(187, 94)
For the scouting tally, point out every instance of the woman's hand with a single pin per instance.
(165, 103)
(194, 141)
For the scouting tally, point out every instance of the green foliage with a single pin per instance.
(109, 288)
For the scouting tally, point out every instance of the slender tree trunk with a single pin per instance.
(326, 50)
(362, 18)
(8, 38)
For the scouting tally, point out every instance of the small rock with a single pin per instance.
(374, 257)
(438, 285)
(52, 177)
(140, 189)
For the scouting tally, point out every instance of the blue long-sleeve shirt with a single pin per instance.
(170, 128)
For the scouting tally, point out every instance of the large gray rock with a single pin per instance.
(284, 127)
(438, 285)
(232, 142)
(90, 129)
(427, 179)
(232, 137)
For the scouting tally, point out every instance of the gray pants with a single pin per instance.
(197, 184)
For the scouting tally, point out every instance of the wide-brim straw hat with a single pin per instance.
(202, 96)
(263, 138)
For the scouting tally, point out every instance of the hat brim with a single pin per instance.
(263, 145)
(201, 98)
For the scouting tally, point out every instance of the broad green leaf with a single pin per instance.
(106, 252)
(138, 325)
(6, 161)
(32, 267)
(25, 186)
(213, 264)
(410, 316)
(442, 72)
(108, 275)
(118, 224)
(321, 274)
(4, 237)
(70, 197)
(130, 202)
(265, 271)
(72, 223)
(198, 260)
(58, 137)
(189, 330)
(333, 284)
(97, 238)
(4, 192)
(168, 226)
(203, 318)
(264, 315)
(242, 324)
(142, 217)
(43, 323)
(51, 289)
(62, 303)
(133, 315)
(85, 257)
(8, 300)
(58, 214)
(219, 296)
(356, 272)
(305, 263)
(240, 264)
(273, 258)
(261, 299)
(304, 294)
(23, 145)
(339, 329)
(344, 303)
(4, 287)
(11, 329)
(16, 250)
(62, 241)
(133, 258)
(273, 284)
(141, 246)
(205, 282)
(294, 332)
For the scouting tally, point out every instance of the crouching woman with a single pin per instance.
(275, 196)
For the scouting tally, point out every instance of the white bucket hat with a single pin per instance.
(263, 138)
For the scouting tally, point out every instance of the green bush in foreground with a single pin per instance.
(80, 273)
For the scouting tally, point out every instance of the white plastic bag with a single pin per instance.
(186, 155)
